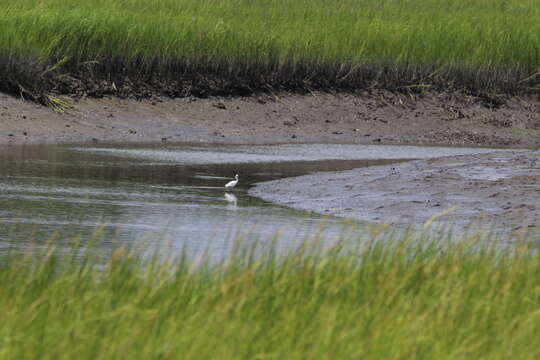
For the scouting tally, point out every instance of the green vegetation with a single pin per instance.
(239, 46)
(394, 298)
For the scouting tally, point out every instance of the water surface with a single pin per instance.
(171, 196)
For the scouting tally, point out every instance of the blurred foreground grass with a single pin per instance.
(392, 296)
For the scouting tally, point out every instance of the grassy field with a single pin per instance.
(247, 45)
(395, 298)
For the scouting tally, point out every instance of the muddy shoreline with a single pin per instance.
(407, 193)
(372, 117)
(498, 191)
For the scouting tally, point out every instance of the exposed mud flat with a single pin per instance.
(376, 116)
(502, 188)
(499, 191)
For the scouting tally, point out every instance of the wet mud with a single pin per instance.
(497, 191)
(500, 188)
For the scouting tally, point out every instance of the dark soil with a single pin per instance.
(139, 79)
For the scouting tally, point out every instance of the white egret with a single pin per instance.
(231, 184)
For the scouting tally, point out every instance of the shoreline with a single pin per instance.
(378, 117)
(499, 191)
(371, 117)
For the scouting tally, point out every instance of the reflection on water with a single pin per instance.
(160, 195)
(226, 154)
(55, 191)
(232, 199)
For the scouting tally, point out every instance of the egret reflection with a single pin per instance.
(231, 199)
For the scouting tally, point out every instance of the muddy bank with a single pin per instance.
(501, 189)
(371, 117)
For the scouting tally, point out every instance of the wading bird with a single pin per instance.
(231, 184)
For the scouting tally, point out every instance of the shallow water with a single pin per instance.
(169, 195)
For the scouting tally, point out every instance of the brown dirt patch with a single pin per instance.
(371, 117)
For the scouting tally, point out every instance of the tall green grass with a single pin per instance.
(400, 297)
(482, 45)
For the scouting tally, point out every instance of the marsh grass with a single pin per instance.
(393, 296)
(241, 46)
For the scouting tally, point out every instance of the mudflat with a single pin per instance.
(498, 191)
(502, 188)
(371, 117)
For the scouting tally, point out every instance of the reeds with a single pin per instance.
(390, 296)
(241, 46)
